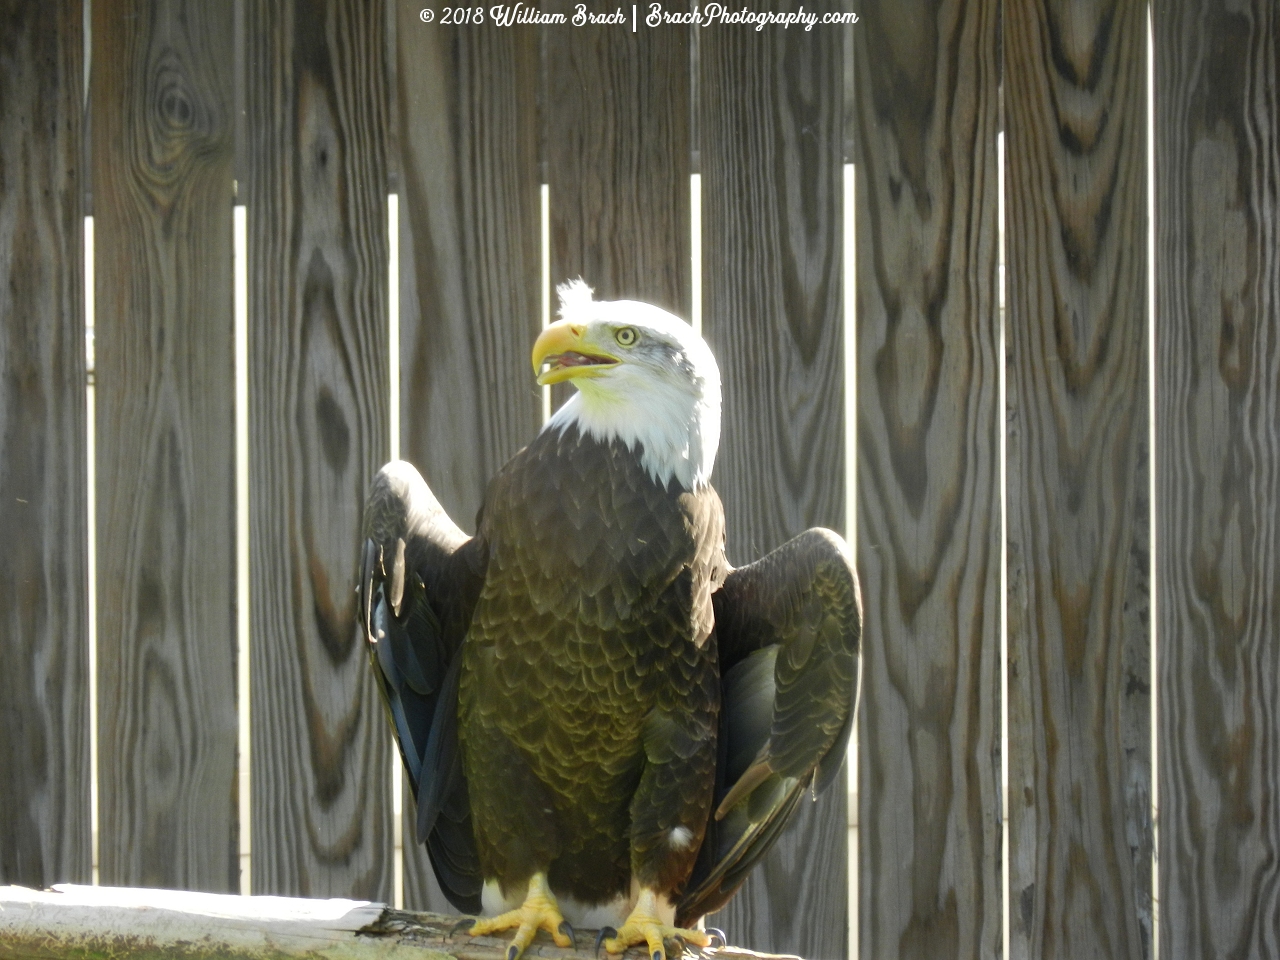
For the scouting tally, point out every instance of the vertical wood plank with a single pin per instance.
(162, 93)
(1077, 475)
(470, 273)
(929, 513)
(1218, 468)
(770, 116)
(617, 159)
(470, 251)
(316, 98)
(45, 833)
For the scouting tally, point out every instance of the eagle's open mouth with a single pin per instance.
(563, 366)
(574, 359)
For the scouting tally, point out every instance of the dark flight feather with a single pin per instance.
(414, 635)
(789, 628)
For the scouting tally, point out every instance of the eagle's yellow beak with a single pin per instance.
(567, 348)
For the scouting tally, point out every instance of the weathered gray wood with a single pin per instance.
(469, 273)
(616, 152)
(928, 482)
(770, 106)
(44, 703)
(1218, 468)
(318, 394)
(617, 158)
(131, 924)
(162, 93)
(1077, 474)
(470, 257)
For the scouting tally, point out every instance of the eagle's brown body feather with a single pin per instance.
(596, 625)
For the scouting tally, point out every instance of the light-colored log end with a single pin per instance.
(129, 923)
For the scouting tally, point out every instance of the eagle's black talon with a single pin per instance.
(657, 955)
(604, 934)
(463, 924)
(567, 929)
(717, 934)
(512, 952)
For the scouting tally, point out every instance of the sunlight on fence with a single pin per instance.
(849, 277)
(695, 248)
(544, 272)
(393, 419)
(1002, 436)
(92, 522)
(1001, 404)
(240, 293)
(1151, 486)
(240, 286)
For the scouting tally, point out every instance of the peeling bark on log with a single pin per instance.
(128, 923)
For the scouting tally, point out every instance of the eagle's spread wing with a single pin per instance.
(789, 629)
(419, 579)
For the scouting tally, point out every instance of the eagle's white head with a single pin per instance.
(643, 376)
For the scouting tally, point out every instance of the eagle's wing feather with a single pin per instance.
(419, 579)
(789, 628)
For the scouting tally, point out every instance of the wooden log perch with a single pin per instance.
(73, 922)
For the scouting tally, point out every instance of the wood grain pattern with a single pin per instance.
(617, 159)
(470, 254)
(45, 832)
(1077, 474)
(316, 96)
(616, 144)
(1218, 468)
(771, 110)
(470, 273)
(161, 94)
(930, 880)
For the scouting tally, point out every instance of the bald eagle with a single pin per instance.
(603, 722)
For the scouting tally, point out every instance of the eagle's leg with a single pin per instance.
(645, 926)
(674, 793)
(538, 912)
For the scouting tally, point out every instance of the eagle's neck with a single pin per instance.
(678, 431)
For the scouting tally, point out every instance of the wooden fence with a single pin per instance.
(1013, 559)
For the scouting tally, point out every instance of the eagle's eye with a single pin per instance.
(626, 336)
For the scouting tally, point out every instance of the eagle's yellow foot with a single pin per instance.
(644, 926)
(538, 912)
